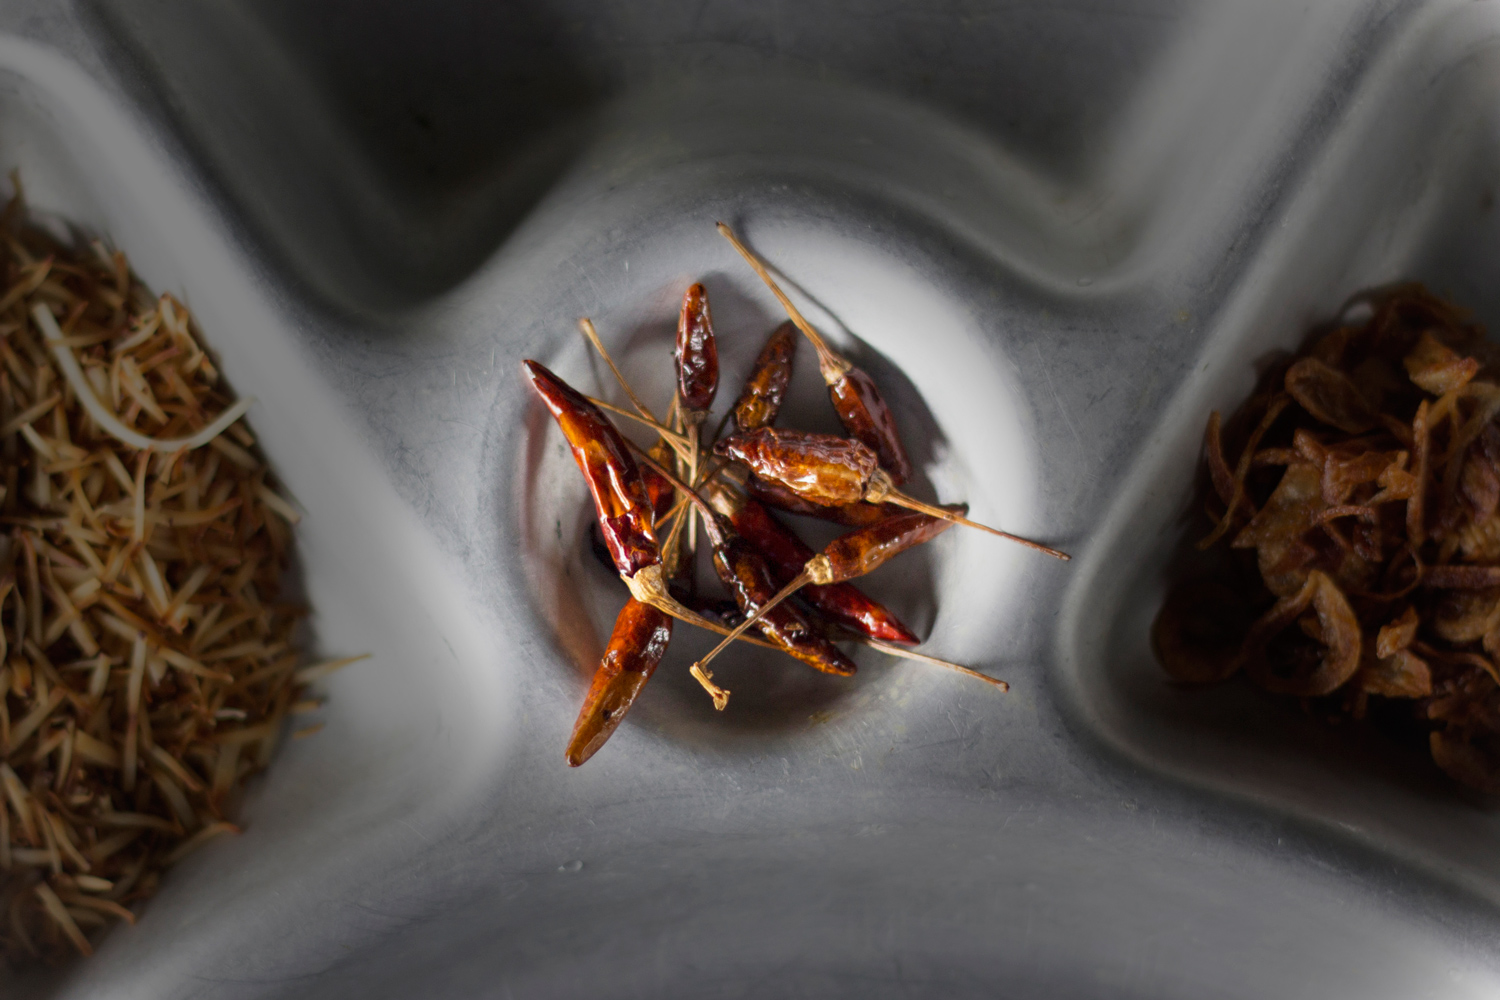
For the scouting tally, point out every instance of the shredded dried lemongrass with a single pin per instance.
(147, 666)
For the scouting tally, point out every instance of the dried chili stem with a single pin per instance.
(692, 471)
(677, 441)
(678, 516)
(587, 326)
(796, 583)
(705, 678)
(832, 365)
(912, 654)
(891, 495)
(679, 446)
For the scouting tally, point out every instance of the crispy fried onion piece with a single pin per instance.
(1470, 754)
(1398, 635)
(1289, 512)
(1394, 406)
(1349, 465)
(1198, 631)
(1416, 529)
(1276, 532)
(1466, 743)
(1329, 396)
(1461, 577)
(1395, 482)
(1218, 466)
(1480, 541)
(1313, 660)
(1462, 616)
(1403, 674)
(1242, 467)
(1438, 368)
(1479, 481)
(1485, 400)
(1391, 669)
(1343, 472)
(1462, 659)
(1350, 510)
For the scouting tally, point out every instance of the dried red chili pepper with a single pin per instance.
(863, 551)
(697, 357)
(766, 387)
(748, 578)
(620, 498)
(846, 557)
(822, 655)
(660, 492)
(632, 503)
(697, 353)
(854, 515)
(814, 649)
(831, 470)
(636, 646)
(842, 603)
(821, 468)
(861, 408)
(864, 413)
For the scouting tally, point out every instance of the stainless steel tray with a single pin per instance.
(1059, 235)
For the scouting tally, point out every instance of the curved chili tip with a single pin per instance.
(697, 352)
(636, 646)
(764, 390)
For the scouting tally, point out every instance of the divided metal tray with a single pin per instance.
(1059, 236)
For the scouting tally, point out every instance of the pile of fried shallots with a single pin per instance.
(727, 479)
(1356, 494)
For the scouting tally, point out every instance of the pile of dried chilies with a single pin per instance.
(651, 503)
(1358, 491)
(146, 664)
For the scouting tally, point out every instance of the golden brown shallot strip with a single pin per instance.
(1242, 468)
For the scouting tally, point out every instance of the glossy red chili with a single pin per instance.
(864, 550)
(841, 603)
(697, 352)
(766, 387)
(854, 515)
(864, 414)
(620, 498)
(822, 468)
(856, 399)
(662, 493)
(636, 646)
(748, 578)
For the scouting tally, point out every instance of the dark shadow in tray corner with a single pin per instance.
(381, 159)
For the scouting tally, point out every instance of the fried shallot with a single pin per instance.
(1358, 490)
